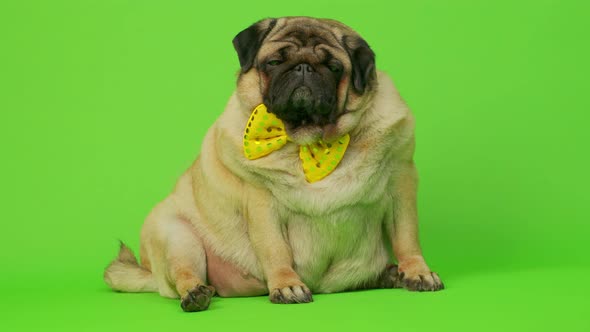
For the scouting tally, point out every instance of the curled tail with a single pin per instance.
(126, 275)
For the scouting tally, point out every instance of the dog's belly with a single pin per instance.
(231, 281)
(340, 251)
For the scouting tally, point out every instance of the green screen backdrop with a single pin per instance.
(103, 104)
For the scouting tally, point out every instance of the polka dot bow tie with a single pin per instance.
(265, 133)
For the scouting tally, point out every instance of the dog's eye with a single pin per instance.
(334, 68)
(274, 62)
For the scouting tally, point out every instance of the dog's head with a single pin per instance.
(314, 74)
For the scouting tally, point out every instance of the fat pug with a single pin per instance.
(305, 184)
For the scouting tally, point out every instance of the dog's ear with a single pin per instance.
(248, 42)
(362, 59)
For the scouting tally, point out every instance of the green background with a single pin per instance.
(105, 103)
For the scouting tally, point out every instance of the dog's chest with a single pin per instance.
(362, 178)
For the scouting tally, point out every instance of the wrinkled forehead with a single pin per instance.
(305, 36)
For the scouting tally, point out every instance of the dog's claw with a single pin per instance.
(291, 294)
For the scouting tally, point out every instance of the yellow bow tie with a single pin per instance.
(265, 133)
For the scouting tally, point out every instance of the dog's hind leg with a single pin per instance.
(176, 256)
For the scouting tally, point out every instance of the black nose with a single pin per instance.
(303, 68)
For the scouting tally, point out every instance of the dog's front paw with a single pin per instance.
(414, 275)
(291, 294)
(421, 282)
(197, 299)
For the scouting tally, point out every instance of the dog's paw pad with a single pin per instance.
(291, 294)
(197, 299)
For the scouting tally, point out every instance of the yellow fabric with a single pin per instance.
(265, 133)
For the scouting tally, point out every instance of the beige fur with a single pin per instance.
(261, 222)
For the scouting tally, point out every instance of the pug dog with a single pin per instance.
(305, 184)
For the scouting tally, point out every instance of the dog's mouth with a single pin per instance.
(303, 109)
(309, 133)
